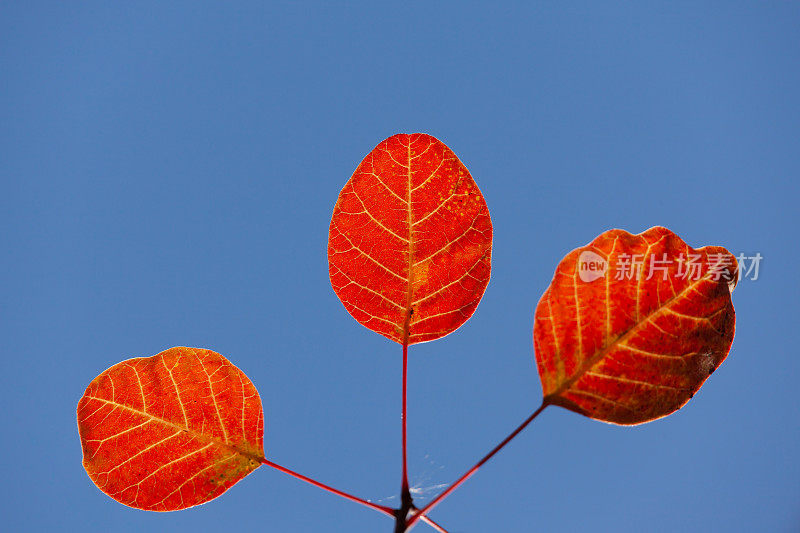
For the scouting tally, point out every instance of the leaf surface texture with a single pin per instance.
(409, 247)
(632, 350)
(170, 431)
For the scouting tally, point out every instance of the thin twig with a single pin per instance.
(404, 417)
(406, 501)
(433, 524)
(380, 508)
(437, 500)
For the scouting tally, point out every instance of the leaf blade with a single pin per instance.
(629, 351)
(409, 244)
(170, 431)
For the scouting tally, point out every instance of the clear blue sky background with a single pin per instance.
(168, 175)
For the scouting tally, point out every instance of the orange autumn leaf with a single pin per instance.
(632, 325)
(409, 247)
(170, 431)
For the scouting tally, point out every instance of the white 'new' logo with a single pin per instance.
(591, 266)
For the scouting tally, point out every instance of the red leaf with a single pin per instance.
(629, 351)
(410, 241)
(170, 431)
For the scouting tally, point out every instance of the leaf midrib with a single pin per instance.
(591, 362)
(200, 436)
(410, 276)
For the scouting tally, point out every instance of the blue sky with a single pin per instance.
(168, 176)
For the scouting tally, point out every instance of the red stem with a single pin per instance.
(380, 508)
(437, 500)
(406, 502)
(433, 524)
(403, 416)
